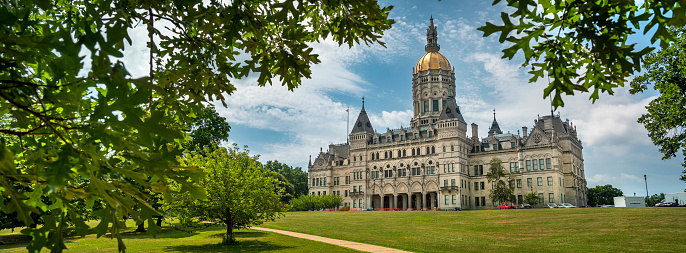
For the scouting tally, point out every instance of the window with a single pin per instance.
(551, 198)
(433, 149)
(512, 184)
(445, 182)
(446, 199)
(313, 182)
(346, 193)
(385, 155)
(519, 183)
(452, 148)
(416, 136)
(540, 181)
(541, 164)
(495, 146)
(528, 165)
(476, 186)
(547, 164)
(428, 150)
(402, 172)
(347, 179)
(444, 149)
(540, 198)
(482, 186)
(426, 106)
(404, 154)
(416, 171)
(454, 199)
(528, 182)
(550, 181)
(354, 204)
(324, 193)
(512, 167)
(413, 150)
(443, 105)
(483, 201)
(493, 185)
(452, 182)
(388, 139)
(476, 201)
(512, 144)
(317, 184)
(535, 164)
(435, 105)
(516, 166)
(481, 169)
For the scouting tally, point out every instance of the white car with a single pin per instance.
(550, 205)
(566, 205)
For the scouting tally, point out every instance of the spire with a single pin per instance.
(495, 128)
(362, 124)
(432, 38)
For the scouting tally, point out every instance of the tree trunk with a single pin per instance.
(141, 227)
(159, 221)
(228, 238)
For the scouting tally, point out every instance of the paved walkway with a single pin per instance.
(353, 245)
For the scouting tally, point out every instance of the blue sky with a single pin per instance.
(291, 126)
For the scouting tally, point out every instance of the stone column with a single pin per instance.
(406, 201)
(395, 200)
(382, 200)
(423, 200)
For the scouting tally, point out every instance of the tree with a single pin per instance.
(603, 195)
(582, 45)
(666, 116)
(239, 194)
(656, 198)
(76, 112)
(531, 198)
(294, 180)
(207, 130)
(502, 191)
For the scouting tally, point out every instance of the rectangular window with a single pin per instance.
(354, 204)
(452, 148)
(528, 165)
(520, 199)
(360, 200)
(512, 144)
(354, 188)
(519, 183)
(482, 186)
(547, 164)
(541, 165)
(481, 169)
(446, 199)
(435, 104)
(516, 166)
(551, 198)
(535, 164)
(483, 201)
(346, 193)
(476, 186)
(528, 182)
(452, 182)
(313, 182)
(324, 193)
(426, 106)
(512, 167)
(476, 201)
(540, 198)
(550, 181)
(445, 182)
(454, 199)
(512, 184)
(493, 185)
(540, 181)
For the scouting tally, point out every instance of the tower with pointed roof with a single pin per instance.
(434, 164)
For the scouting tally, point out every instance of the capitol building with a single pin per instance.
(434, 164)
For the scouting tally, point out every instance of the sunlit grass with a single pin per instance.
(578, 230)
(172, 239)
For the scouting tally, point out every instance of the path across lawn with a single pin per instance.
(348, 244)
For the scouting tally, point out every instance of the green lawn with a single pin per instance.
(173, 240)
(577, 230)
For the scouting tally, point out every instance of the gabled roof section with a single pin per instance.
(451, 111)
(362, 125)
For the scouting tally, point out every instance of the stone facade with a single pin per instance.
(435, 164)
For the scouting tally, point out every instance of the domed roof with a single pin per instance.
(432, 60)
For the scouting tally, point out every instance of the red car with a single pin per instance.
(508, 205)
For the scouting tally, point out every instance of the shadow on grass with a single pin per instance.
(241, 246)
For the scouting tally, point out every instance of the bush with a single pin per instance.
(315, 202)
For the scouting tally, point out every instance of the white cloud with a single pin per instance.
(392, 120)
(625, 176)
(601, 179)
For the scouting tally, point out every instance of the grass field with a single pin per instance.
(174, 240)
(561, 230)
(564, 230)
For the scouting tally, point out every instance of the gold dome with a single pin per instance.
(432, 60)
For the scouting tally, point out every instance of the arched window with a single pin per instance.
(413, 152)
(433, 150)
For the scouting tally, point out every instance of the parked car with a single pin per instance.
(566, 205)
(666, 204)
(525, 206)
(550, 205)
(607, 206)
(508, 205)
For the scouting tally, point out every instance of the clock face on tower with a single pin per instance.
(537, 138)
